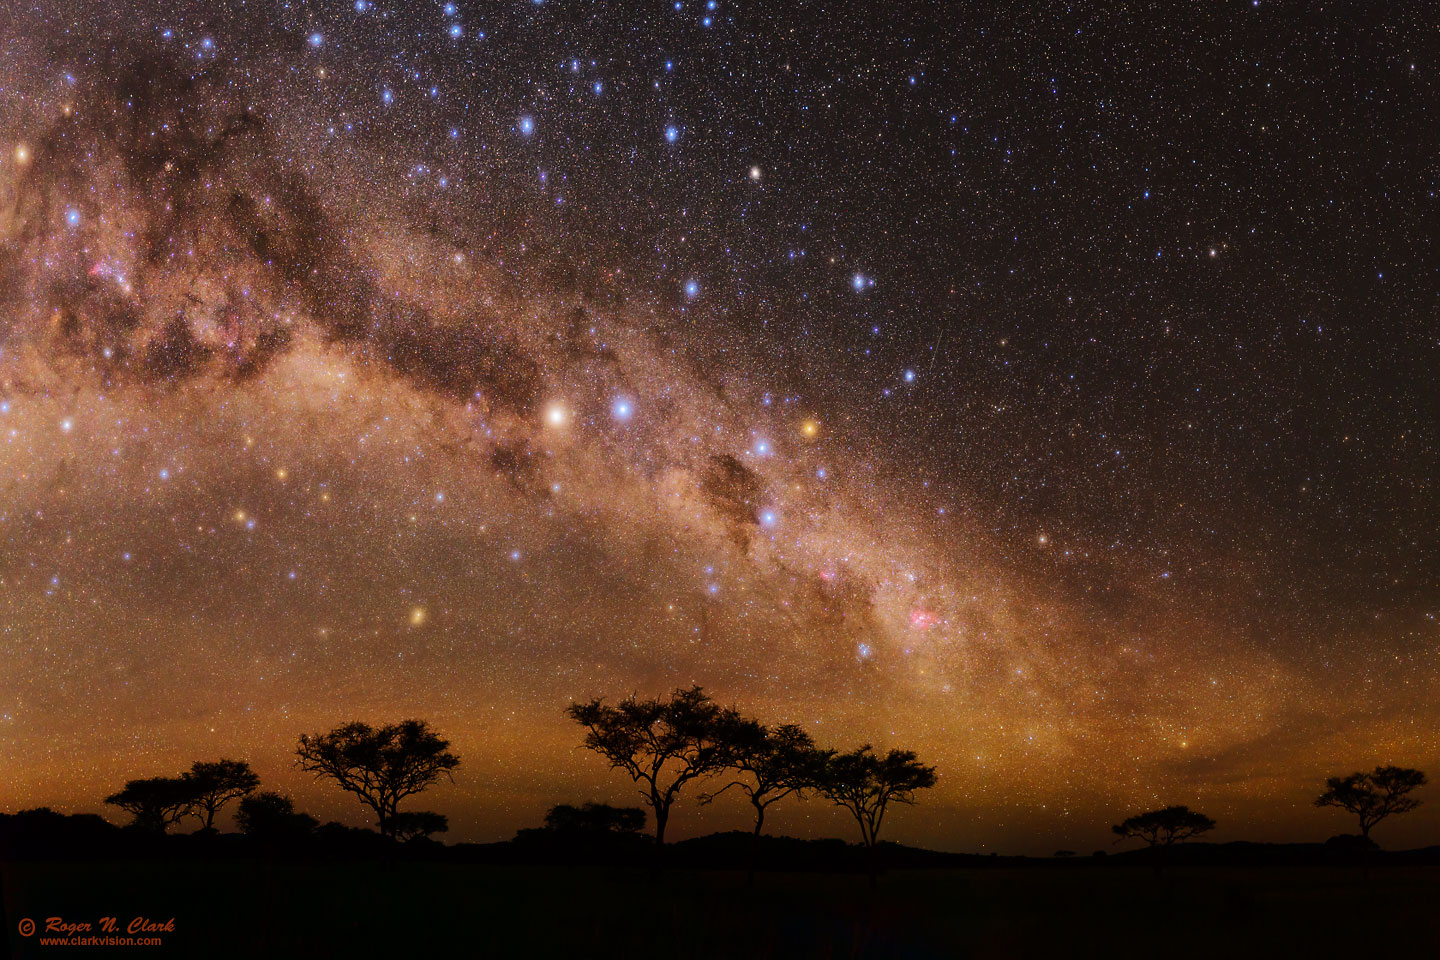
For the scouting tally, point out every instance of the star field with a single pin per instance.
(1050, 391)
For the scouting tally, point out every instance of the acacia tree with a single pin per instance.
(271, 815)
(773, 764)
(662, 744)
(779, 762)
(866, 784)
(594, 818)
(418, 824)
(380, 765)
(1373, 796)
(215, 783)
(1162, 829)
(156, 802)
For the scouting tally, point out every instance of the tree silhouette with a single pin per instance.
(595, 818)
(156, 802)
(271, 815)
(866, 785)
(773, 765)
(216, 783)
(417, 825)
(1163, 828)
(661, 744)
(779, 762)
(1373, 796)
(380, 765)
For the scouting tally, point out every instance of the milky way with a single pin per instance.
(1052, 396)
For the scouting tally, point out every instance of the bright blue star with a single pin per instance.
(72, 217)
(692, 288)
(456, 30)
(909, 376)
(672, 134)
(316, 39)
(858, 281)
(621, 409)
(527, 126)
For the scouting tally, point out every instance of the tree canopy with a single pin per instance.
(380, 765)
(774, 763)
(1373, 796)
(866, 783)
(663, 743)
(1164, 827)
(271, 815)
(156, 803)
(215, 783)
(411, 825)
(595, 818)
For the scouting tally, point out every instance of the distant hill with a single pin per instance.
(43, 834)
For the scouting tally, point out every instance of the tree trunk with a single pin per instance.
(754, 846)
(657, 856)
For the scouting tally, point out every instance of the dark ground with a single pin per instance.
(409, 908)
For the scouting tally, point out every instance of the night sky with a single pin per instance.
(1051, 391)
